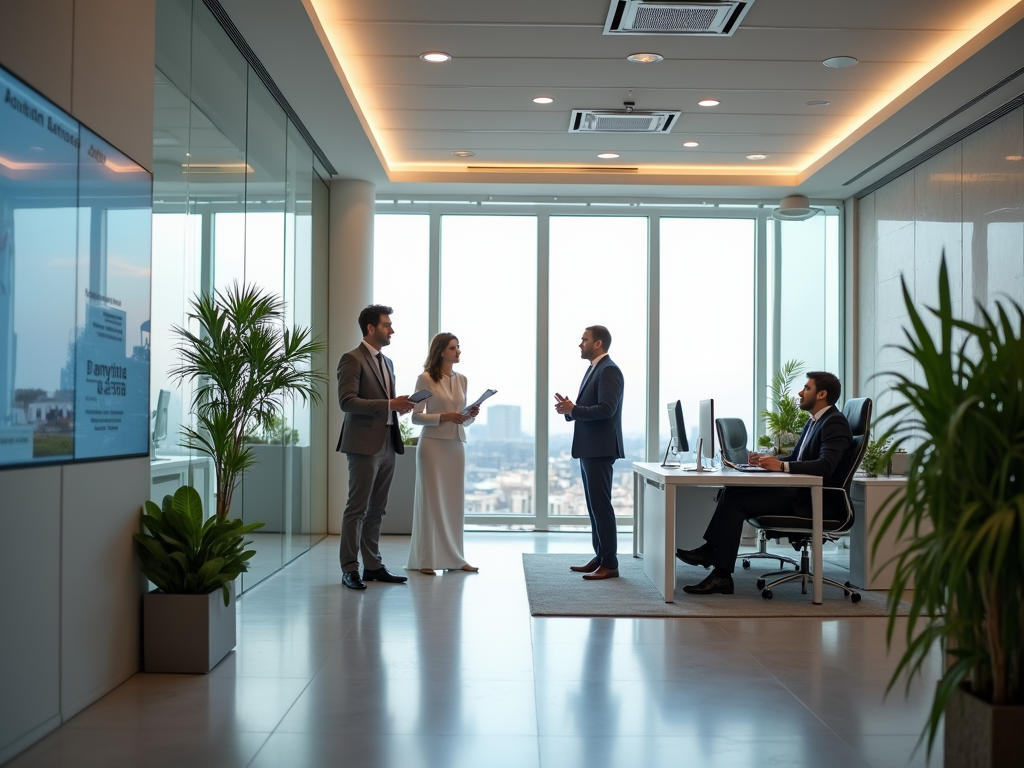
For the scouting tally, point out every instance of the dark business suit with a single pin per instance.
(370, 444)
(597, 443)
(828, 441)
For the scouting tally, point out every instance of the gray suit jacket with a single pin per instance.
(364, 400)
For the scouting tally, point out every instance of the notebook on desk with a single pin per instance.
(744, 467)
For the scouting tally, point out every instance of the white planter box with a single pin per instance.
(186, 633)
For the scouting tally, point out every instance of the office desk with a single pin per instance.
(654, 515)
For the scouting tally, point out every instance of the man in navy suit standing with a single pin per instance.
(824, 442)
(597, 443)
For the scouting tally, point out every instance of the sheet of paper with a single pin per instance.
(479, 400)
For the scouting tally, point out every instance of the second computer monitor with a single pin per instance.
(678, 426)
(706, 427)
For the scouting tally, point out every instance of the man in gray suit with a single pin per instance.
(370, 437)
(597, 443)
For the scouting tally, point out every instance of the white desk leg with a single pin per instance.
(670, 544)
(638, 513)
(817, 534)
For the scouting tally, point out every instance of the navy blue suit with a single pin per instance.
(597, 443)
(828, 441)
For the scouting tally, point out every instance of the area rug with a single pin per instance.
(554, 590)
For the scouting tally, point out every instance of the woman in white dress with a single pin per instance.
(440, 501)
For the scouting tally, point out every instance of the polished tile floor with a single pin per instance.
(451, 671)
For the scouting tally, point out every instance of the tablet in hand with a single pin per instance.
(419, 397)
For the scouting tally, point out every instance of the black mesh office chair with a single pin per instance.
(732, 436)
(858, 413)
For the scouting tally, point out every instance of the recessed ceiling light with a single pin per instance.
(690, 144)
(543, 100)
(464, 153)
(436, 56)
(818, 103)
(840, 62)
(1011, 158)
(608, 155)
(645, 58)
(757, 156)
(709, 102)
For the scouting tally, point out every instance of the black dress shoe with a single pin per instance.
(383, 574)
(716, 583)
(351, 580)
(701, 557)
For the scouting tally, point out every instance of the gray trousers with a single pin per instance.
(369, 481)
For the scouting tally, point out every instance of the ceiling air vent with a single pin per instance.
(665, 17)
(610, 121)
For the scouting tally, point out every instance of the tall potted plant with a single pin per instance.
(963, 511)
(245, 363)
(785, 420)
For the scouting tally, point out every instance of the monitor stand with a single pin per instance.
(665, 462)
(699, 466)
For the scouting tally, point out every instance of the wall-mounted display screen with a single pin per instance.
(75, 252)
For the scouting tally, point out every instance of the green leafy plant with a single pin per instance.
(183, 554)
(785, 419)
(245, 363)
(963, 509)
(408, 435)
(277, 433)
(877, 456)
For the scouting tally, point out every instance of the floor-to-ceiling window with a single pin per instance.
(598, 276)
(233, 179)
(488, 298)
(702, 302)
(708, 319)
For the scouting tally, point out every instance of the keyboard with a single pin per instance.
(746, 467)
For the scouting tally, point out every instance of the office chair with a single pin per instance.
(732, 436)
(858, 413)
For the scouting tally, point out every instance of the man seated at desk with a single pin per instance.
(824, 442)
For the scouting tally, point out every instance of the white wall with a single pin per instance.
(69, 584)
(967, 201)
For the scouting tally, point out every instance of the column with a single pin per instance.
(350, 289)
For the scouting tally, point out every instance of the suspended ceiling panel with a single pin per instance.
(416, 114)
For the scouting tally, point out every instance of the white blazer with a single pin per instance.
(428, 413)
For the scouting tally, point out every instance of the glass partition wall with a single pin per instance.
(233, 182)
(702, 301)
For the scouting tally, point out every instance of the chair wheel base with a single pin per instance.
(767, 594)
(761, 583)
(746, 565)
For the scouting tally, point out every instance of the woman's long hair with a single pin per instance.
(438, 345)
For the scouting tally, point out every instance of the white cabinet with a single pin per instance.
(868, 494)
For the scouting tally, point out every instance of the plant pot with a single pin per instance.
(398, 519)
(980, 735)
(186, 633)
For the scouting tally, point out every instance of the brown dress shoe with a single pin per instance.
(590, 567)
(602, 573)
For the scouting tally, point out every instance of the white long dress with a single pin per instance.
(440, 501)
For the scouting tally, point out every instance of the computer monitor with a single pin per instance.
(678, 431)
(706, 426)
(160, 419)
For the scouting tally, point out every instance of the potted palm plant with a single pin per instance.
(785, 420)
(963, 511)
(245, 364)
